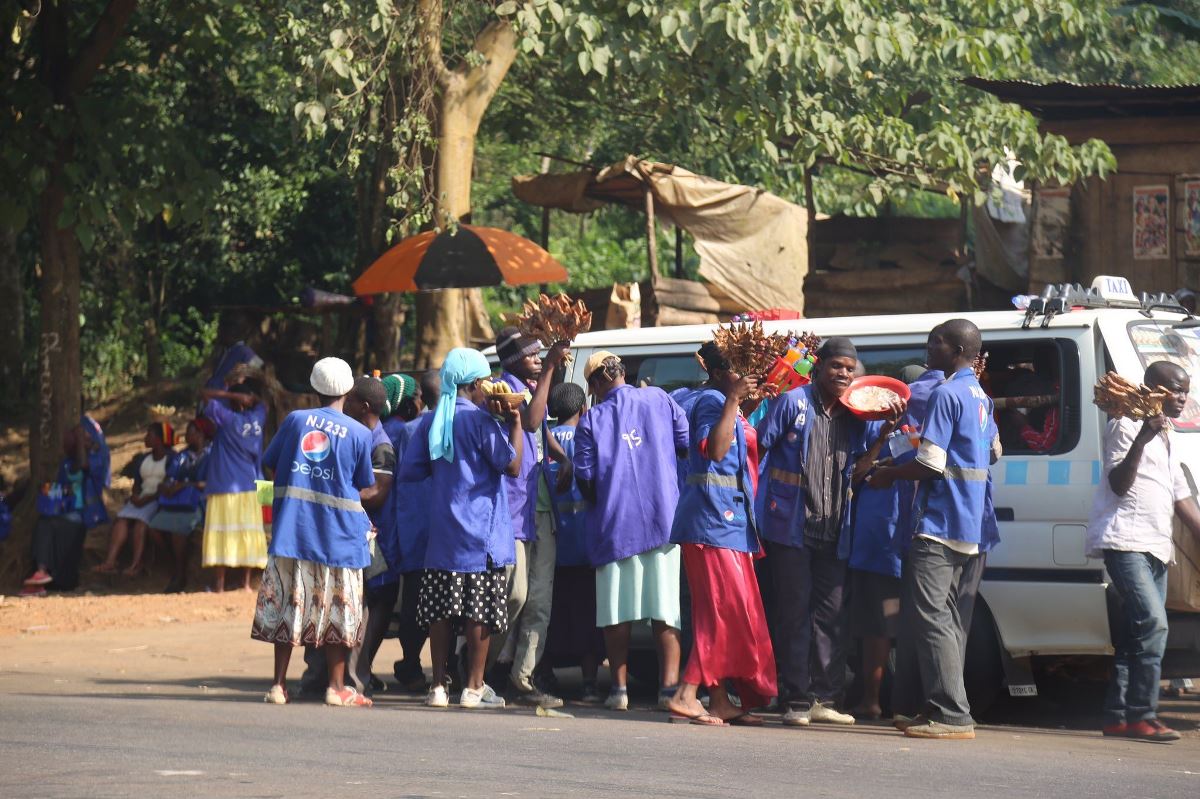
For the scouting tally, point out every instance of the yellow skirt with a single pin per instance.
(233, 531)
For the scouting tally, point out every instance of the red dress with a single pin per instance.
(728, 623)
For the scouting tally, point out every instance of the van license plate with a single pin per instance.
(1022, 690)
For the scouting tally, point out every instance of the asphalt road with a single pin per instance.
(131, 714)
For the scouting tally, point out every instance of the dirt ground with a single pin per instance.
(54, 615)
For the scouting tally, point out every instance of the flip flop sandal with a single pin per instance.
(745, 720)
(347, 698)
(698, 718)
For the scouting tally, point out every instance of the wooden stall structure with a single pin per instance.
(1142, 222)
(915, 259)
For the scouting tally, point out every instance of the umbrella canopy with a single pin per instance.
(466, 258)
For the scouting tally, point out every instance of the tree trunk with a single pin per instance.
(387, 312)
(59, 379)
(58, 382)
(444, 317)
(150, 327)
(12, 321)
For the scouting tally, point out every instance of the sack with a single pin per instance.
(624, 307)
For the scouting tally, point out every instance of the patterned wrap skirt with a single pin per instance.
(459, 597)
(729, 627)
(233, 531)
(305, 603)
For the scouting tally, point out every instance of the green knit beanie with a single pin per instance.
(398, 387)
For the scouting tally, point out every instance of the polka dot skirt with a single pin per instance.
(464, 596)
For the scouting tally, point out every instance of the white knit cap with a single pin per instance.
(332, 377)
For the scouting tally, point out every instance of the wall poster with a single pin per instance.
(1051, 223)
(1191, 217)
(1151, 222)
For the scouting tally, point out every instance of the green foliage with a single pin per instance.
(873, 84)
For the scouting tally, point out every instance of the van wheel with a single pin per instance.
(983, 672)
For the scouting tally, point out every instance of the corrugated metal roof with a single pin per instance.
(1066, 100)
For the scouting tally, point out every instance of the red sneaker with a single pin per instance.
(31, 591)
(1151, 730)
(1120, 730)
(40, 577)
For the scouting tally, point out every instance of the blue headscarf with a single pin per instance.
(462, 366)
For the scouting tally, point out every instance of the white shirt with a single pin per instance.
(1142, 519)
(153, 473)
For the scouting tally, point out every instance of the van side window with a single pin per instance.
(667, 372)
(1033, 383)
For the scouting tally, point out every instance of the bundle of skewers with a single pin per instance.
(752, 351)
(1118, 397)
(979, 365)
(554, 319)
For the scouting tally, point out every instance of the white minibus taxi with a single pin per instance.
(1041, 595)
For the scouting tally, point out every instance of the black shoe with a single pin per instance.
(533, 698)
(174, 587)
(410, 678)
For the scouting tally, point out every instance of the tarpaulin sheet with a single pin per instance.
(752, 244)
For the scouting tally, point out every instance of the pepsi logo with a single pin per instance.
(315, 446)
(729, 515)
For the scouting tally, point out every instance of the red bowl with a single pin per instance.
(878, 381)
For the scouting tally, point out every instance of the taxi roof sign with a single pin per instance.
(1116, 291)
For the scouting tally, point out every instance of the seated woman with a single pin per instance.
(148, 471)
(66, 508)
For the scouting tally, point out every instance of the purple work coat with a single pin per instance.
(627, 446)
(522, 489)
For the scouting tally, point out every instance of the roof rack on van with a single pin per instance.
(1106, 291)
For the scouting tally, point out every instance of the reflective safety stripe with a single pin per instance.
(328, 500)
(710, 479)
(965, 473)
(783, 476)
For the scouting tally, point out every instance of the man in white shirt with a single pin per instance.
(1131, 528)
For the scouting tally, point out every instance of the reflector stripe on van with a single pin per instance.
(1033, 471)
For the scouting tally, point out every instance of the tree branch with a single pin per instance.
(497, 43)
(99, 43)
(430, 14)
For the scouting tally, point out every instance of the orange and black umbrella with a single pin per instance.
(468, 257)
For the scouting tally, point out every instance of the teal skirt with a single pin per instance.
(644, 586)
